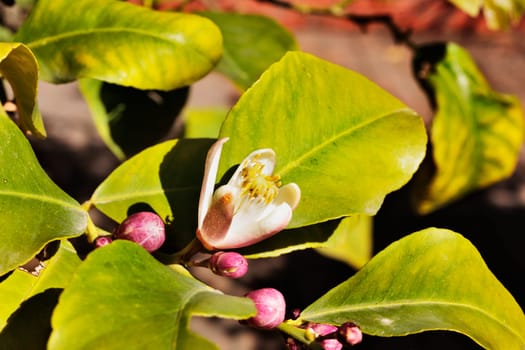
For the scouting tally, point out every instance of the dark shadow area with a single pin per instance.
(181, 173)
(29, 326)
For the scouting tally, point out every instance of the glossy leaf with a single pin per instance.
(33, 210)
(288, 241)
(341, 138)
(166, 178)
(127, 299)
(498, 14)
(432, 279)
(251, 44)
(120, 43)
(128, 119)
(21, 285)
(351, 242)
(204, 122)
(19, 66)
(476, 133)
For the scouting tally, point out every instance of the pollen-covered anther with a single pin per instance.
(257, 185)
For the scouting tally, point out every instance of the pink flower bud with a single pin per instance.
(271, 308)
(351, 333)
(144, 228)
(322, 329)
(229, 264)
(331, 344)
(101, 241)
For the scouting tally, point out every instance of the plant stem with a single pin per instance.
(183, 256)
(294, 331)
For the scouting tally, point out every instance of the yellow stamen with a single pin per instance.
(256, 185)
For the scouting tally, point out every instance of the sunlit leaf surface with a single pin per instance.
(476, 133)
(129, 300)
(432, 279)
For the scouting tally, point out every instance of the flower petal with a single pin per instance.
(289, 193)
(218, 219)
(245, 230)
(210, 174)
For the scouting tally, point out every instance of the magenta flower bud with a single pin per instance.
(228, 264)
(351, 333)
(101, 241)
(144, 228)
(322, 329)
(271, 308)
(331, 344)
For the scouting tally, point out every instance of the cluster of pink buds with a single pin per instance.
(329, 337)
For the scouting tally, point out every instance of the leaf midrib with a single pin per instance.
(57, 37)
(41, 198)
(309, 153)
(412, 303)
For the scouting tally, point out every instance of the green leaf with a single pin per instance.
(204, 122)
(166, 178)
(498, 14)
(287, 241)
(251, 44)
(476, 133)
(120, 43)
(351, 242)
(432, 279)
(33, 210)
(20, 286)
(345, 141)
(19, 66)
(121, 297)
(128, 119)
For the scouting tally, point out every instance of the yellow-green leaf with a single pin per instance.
(120, 43)
(432, 279)
(345, 141)
(33, 209)
(476, 133)
(122, 298)
(19, 66)
(20, 285)
(499, 14)
(351, 242)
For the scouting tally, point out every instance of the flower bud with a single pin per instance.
(101, 241)
(351, 333)
(144, 228)
(271, 308)
(228, 264)
(321, 329)
(331, 344)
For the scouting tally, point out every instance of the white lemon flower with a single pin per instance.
(251, 207)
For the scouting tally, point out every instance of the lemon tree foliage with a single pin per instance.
(344, 142)
(19, 66)
(413, 286)
(476, 134)
(242, 61)
(157, 301)
(103, 40)
(345, 147)
(498, 14)
(27, 192)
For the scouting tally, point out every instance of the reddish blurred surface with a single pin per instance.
(419, 15)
